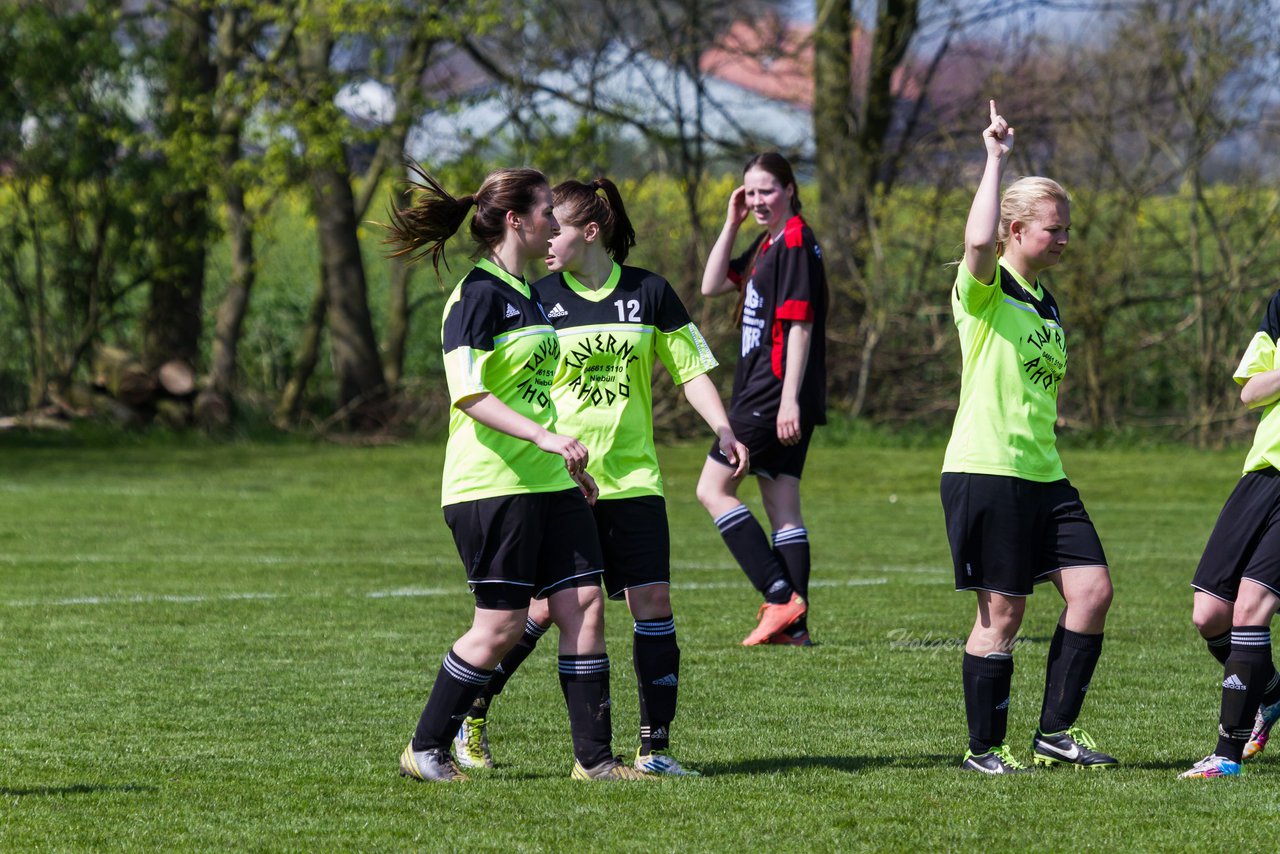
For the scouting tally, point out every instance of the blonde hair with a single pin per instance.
(1021, 200)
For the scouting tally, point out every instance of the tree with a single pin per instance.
(1158, 129)
(392, 34)
(174, 321)
(74, 245)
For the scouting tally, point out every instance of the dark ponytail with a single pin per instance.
(578, 204)
(421, 229)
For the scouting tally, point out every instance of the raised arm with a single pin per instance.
(715, 277)
(982, 229)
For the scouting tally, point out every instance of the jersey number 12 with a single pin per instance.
(631, 311)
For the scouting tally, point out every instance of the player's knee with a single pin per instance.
(540, 612)
(1091, 600)
(650, 602)
(579, 610)
(709, 495)
(1254, 610)
(505, 636)
(1099, 601)
(1211, 622)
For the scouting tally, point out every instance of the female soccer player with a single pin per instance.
(1013, 519)
(614, 322)
(511, 484)
(779, 390)
(1237, 583)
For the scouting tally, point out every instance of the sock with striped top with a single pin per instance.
(1219, 646)
(657, 661)
(791, 545)
(750, 547)
(1245, 677)
(584, 679)
(457, 684)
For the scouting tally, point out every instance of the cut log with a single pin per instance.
(212, 410)
(177, 377)
(123, 376)
(33, 421)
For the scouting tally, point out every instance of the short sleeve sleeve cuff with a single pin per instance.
(685, 353)
(796, 310)
(464, 370)
(969, 290)
(1258, 357)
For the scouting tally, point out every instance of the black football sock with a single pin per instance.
(1068, 672)
(792, 548)
(1220, 646)
(750, 547)
(986, 700)
(507, 667)
(657, 663)
(1244, 678)
(584, 679)
(456, 686)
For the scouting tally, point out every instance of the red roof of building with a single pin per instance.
(774, 59)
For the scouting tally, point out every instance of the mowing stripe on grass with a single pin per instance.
(402, 592)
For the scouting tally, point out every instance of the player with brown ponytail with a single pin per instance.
(614, 322)
(513, 487)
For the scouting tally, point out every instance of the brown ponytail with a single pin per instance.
(421, 229)
(578, 204)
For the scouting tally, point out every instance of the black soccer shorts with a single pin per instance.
(1008, 534)
(1245, 542)
(518, 547)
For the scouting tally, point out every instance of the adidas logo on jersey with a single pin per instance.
(511, 311)
(557, 311)
(668, 681)
(1233, 682)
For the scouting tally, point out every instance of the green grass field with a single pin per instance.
(210, 647)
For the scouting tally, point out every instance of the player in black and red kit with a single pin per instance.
(779, 390)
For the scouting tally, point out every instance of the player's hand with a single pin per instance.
(789, 423)
(735, 452)
(573, 451)
(587, 484)
(738, 210)
(998, 137)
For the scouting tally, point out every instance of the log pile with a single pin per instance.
(125, 392)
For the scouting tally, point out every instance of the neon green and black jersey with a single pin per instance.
(497, 339)
(603, 392)
(1014, 355)
(1260, 356)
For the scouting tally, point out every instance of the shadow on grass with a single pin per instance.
(1161, 764)
(77, 789)
(847, 764)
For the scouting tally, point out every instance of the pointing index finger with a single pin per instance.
(994, 115)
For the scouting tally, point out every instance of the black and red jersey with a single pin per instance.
(784, 281)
